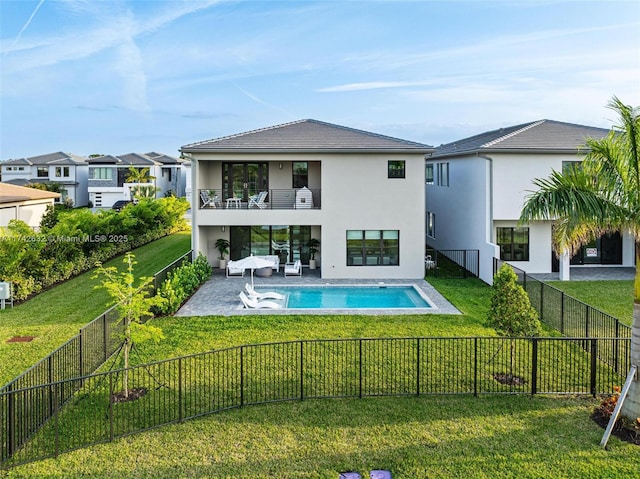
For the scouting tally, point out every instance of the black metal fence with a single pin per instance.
(188, 387)
(573, 318)
(452, 263)
(80, 356)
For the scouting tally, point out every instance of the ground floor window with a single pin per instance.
(513, 243)
(431, 224)
(288, 242)
(373, 248)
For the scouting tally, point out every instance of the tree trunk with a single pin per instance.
(631, 406)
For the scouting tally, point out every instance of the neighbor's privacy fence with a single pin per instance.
(452, 263)
(573, 318)
(192, 386)
(78, 357)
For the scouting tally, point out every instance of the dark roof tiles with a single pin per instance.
(539, 136)
(306, 135)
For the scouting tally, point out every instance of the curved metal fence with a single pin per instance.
(187, 387)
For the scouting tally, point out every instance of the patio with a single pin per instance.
(219, 295)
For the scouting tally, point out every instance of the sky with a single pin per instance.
(119, 76)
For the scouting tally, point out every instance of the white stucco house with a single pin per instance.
(67, 170)
(108, 176)
(24, 204)
(476, 187)
(269, 191)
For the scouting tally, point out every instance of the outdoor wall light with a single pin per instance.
(280, 165)
(222, 228)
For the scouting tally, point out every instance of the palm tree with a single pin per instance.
(139, 176)
(600, 196)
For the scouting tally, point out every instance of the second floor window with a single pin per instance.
(428, 174)
(443, 174)
(300, 174)
(62, 171)
(43, 172)
(396, 169)
(100, 173)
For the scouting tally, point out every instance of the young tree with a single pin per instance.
(133, 304)
(140, 176)
(601, 196)
(511, 313)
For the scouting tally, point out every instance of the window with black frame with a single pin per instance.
(300, 174)
(396, 169)
(373, 248)
(513, 243)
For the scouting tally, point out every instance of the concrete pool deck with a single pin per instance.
(219, 295)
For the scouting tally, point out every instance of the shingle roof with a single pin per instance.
(539, 136)
(57, 158)
(13, 193)
(306, 136)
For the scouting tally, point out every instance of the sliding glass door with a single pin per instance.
(290, 243)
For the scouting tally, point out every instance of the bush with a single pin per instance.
(71, 242)
(181, 283)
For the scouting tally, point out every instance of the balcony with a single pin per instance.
(274, 199)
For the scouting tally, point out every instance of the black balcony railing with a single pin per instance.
(274, 199)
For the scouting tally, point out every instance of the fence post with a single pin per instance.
(586, 323)
(11, 423)
(418, 367)
(464, 265)
(360, 370)
(301, 370)
(105, 341)
(594, 364)
(534, 367)
(51, 391)
(180, 411)
(56, 427)
(80, 363)
(475, 367)
(110, 406)
(241, 375)
(616, 347)
(562, 312)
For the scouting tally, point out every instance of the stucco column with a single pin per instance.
(565, 266)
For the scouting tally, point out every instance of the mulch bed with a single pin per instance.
(134, 395)
(509, 379)
(21, 339)
(622, 433)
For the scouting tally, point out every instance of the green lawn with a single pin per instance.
(56, 315)
(612, 297)
(414, 437)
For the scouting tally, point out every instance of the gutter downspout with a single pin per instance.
(489, 225)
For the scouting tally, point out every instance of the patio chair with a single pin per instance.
(250, 303)
(233, 271)
(258, 200)
(428, 262)
(253, 294)
(293, 269)
(207, 201)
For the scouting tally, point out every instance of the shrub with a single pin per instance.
(181, 283)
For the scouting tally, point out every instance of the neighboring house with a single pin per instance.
(25, 204)
(476, 188)
(108, 177)
(67, 170)
(270, 191)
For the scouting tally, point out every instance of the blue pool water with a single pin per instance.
(350, 297)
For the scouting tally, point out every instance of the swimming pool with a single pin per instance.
(352, 297)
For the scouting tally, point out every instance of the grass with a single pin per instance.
(56, 315)
(428, 436)
(612, 297)
(433, 436)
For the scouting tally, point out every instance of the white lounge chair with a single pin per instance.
(250, 303)
(253, 294)
(207, 201)
(293, 269)
(258, 200)
(232, 270)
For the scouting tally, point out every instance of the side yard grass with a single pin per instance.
(56, 315)
(612, 297)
